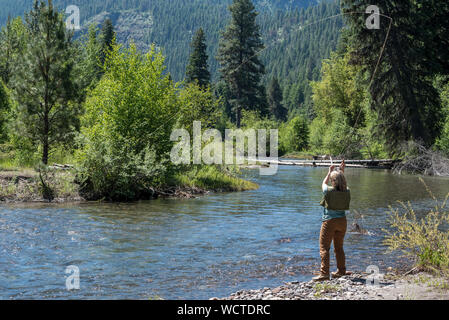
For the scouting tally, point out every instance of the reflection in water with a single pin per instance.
(195, 248)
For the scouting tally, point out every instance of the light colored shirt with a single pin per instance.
(331, 214)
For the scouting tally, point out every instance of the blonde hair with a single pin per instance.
(338, 181)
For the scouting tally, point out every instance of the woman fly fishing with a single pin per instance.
(335, 201)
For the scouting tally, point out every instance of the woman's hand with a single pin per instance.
(331, 168)
(342, 165)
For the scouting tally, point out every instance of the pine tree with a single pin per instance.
(6, 54)
(12, 42)
(43, 84)
(4, 110)
(107, 39)
(90, 64)
(238, 52)
(402, 93)
(274, 93)
(198, 68)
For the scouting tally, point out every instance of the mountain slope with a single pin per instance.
(293, 54)
(90, 8)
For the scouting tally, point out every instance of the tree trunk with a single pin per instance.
(45, 140)
(238, 116)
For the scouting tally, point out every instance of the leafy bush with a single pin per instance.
(294, 135)
(341, 105)
(335, 137)
(125, 138)
(425, 239)
(253, 120)
(317, 131)
(197, 104)
(25, 152)
(443, 142)
(339, 136)
(116, 174)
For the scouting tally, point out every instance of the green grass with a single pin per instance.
(437, 283)
(24, 185)
(9, 167)
(7, 163)
(212, 178)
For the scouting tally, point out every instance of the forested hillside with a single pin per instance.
(94, 7)
(296, 43)
(291, 54)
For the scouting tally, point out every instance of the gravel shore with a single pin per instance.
(420, 286)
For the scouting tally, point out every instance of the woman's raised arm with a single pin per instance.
(326, 179)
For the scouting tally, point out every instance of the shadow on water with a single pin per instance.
(195, 248)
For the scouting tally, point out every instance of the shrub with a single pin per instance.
(317, 132)
(335, 137)
(425, 239)
(253, 120)
(25, 152)
(125, 138)
(116, 174)
(197, 104)
(443, 142)
(294, 136)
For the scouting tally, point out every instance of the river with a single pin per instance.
(196, 248)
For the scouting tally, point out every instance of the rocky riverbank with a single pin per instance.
(419, 286)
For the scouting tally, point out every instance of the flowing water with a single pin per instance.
(196, 248)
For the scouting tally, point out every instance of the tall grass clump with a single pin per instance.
(213, 178)
(424, 239)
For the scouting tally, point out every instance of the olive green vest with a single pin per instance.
(336, 200)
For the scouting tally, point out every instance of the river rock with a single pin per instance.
(348, 287)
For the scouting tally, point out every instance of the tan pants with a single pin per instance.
(333, 229)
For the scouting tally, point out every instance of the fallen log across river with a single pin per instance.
(367, 164)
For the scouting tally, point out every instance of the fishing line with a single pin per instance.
(301, 28)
